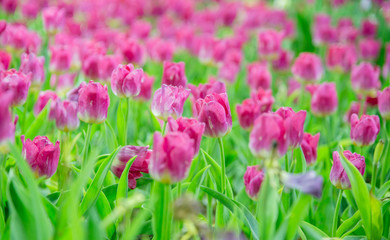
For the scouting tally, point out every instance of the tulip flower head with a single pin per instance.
(309, 147)
(174, 74)
(324, 100)
(127, 81)
(253, 178)
(17, 82)
(307, 67)
(66, 115)
(364, 130)
(365, 79)
(294, 125)
(384, 103)
(338, 176)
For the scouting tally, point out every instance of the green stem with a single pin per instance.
(210, 210)
(362, 103)
(167, 217)
(164, 127)
(126, 121)
(302, 98)
(373, 178)
(219, 213)
(86, 144)
(336, 213)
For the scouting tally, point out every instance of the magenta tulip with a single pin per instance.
(126, 81)
(42, 155)
(17, 82)
(253, 178)
(7, 126)
(5, 60)
(341, 58)
(309, 147)
(66, 115)
(324, 100)
(174, 74)
(171, 158)
(270, 42)
(384, 103)
(31, 64)
(283, 61)
(369, 49)
(294, 122)
(247, 112)
(365, 79)
(146, 88)
(93, 102)
(307, 67)
(43, 99)
(258, 76)
(203, 90)
(338, 176)
(364, 130)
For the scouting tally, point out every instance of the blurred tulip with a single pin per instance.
(9, 6)
(203, 90)
(384, 103)
(5, 60)
(174, 74)
(17, 82)
(369, 29)
(364, 130)
(93, 103)
(353, 109)
(247, 112)
(53, 18)
(369, 49)
(341, 58)
(61, 58)
(309, 147)
(140, 164)
(169, 101)
(34, 65)
(43, 99)
(42, 155)
(365, 79)
(132, 51)
(283, 61)
(324, 100)
(338, 176)
(258, 76)
(66, 115)
(308, 182)
(270, 42)
(126, 81)
(307, 67)
(146, 88)
(294, 122)
(253, 178)
(107, 64)
(171, 158)
(7, 126)
(214, 112)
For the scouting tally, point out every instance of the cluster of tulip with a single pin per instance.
(114, 76)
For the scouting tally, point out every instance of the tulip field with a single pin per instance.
(194, 119)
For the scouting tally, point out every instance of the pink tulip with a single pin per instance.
(17, 82)
(107, 64)
(66, 115)
(258, 76)
(160, 50)
(283, 61)
(93, 102)
(7, 126)
(307, 67)
(214, 112)
(270, 42)
(42, 155)
(9, 6)
(34, 65)
(140, 29)
(174, 74)
(61, 57)
(146, 88)
(190, 126)
(364, 130)
(169, 101)
(384, 103)
(365, 79)
(338, 176)
(369, 29)
(268, 138)
(43, 99)
(73, 94)
(63, 82)
(247, 112)
(369, 49)
(324, 100)
(140, 164)
(126, 81)
(5, 60)
(228, 71)
(171, 158)
(132, 51)
(3, 26)
(203, 90)
(309, 147)
(91, 65)
(294, 122)
(253, 178)
(19, 37)
(341, 57)
(353, 109)
(53, 18)
(264, 99)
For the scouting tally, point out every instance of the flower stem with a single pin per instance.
(167, 217)
(163, 128)
(336, 213)
(219, 213)
(362, 103)
(126, 121)
(86, 145)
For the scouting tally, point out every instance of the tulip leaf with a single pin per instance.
(97, 183)
(348, 224)
(197, 180)
(132, 231)
(248, 219)
(36, 125)
(360, 193)
(383, 189)
(376, 218)
(124, 181)
(312, 231)
(110, 136)
(104, 209)
(2, 220)
(51, 210)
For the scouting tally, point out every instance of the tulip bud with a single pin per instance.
(171, 158)
(309, 147)
(93, 103)
(174, 74)
(214, 112)
(270, 42)
(338, 176)
(365, 79)
(169, 101)
(126, 81)
(34, 65)
(324, 99)
(307, 67)
(140, 164)
(268, 138)
(146, 88)
(378, 151)
(43, 99)
(42, 155)
(66, 115)
(190, 126)
(384, 103)
(364, 130)
(294, 125)
(258, 76)
(5, 60)
(17, 82)
(253, 178)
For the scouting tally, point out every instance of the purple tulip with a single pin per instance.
(126, 81)
(93, 102)
(309, 147)
(172, 156)
(309, 183)
(338, 176)
(384, 103)
(140, 164)
(365, 79)
(253, 178)
(294, 125)
(174, 74)
(66, 115)
(364, 130)
(34, 65)
(214, 112)
(42, 155)
(307, 67)
(17, 82)
(324, 100)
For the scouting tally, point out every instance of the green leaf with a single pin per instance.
(97, 183)
(104, 209)
(2, 220)
(248, 219)
(348, 224)
(312, 231)
(155, 122)
(51, 210)
(132, 231)
(123, 181)
(376, 218)
(360, 193)
(110, 136)
(383, 189)
(197, 180)
(36, 125)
